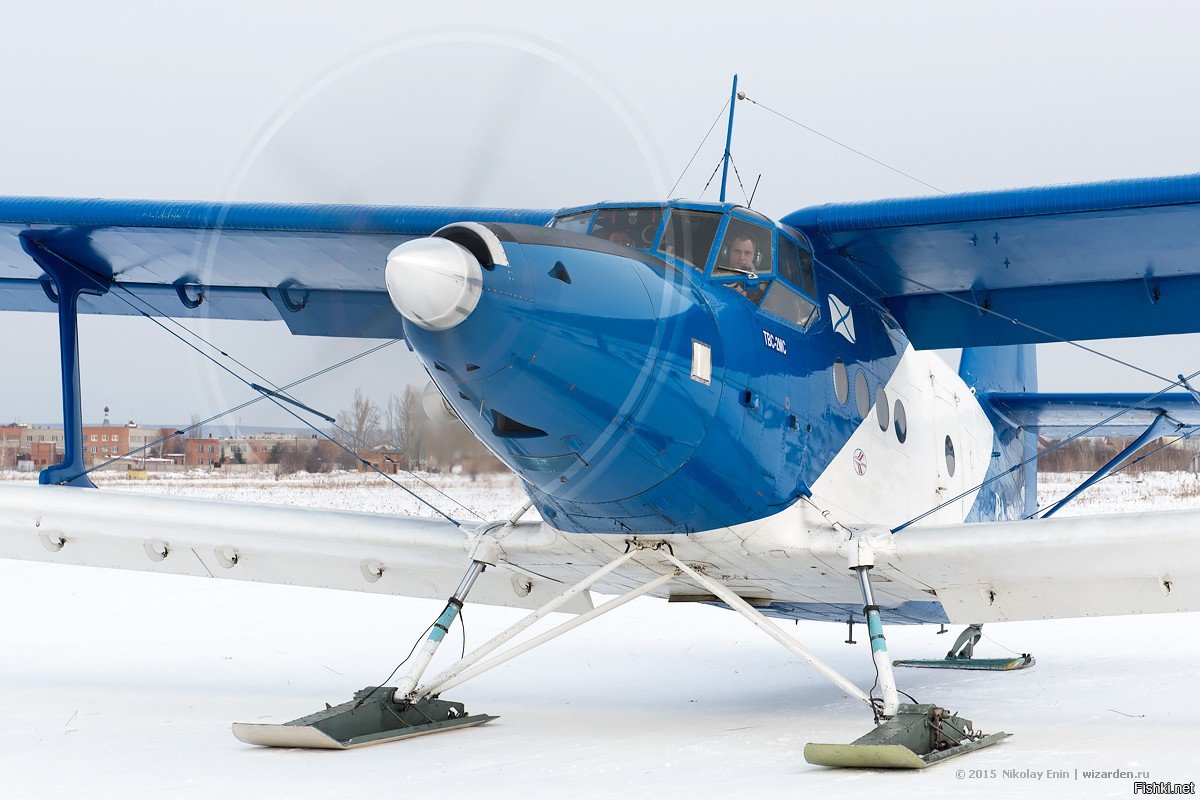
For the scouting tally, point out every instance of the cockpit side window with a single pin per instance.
(746, 250)
(796, 266)
(689, 236)
(575, 223)
(787, 304)
(751, 290)
(632, 227)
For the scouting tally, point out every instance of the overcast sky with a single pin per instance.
(555, 104)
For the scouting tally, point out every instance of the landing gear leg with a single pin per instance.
(384, 714)
(379, 713)
(879, 653)
(964, 645)
(909, 735)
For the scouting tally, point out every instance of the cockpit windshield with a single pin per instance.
(632, 227)
(753, 258)
(746, 250)
(689, 236)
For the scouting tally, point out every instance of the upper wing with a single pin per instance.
(1091, 261)
(317, 267)
(1113, 414)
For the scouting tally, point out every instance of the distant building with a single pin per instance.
(43, 454)
(267, 448)
(386, 461)
(202, 452)
(11, 445)
(100, 443)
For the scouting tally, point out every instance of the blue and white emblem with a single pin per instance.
(843, 318)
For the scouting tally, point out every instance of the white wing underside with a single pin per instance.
(982, 572)
(412, 557)
(1108, 565)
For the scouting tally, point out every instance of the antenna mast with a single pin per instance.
(728, 138)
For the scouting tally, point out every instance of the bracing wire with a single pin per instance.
(281, 392)
(687, 166)
(985, 310)
(854, 150)
(710, 177)
(1180, 382)
(248, 383)
(738, 175)
(1171, 439)
(259, 398)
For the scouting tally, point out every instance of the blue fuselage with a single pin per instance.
(582, 368)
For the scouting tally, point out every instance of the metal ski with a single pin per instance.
(918, 736)
(962, 656)
(374, 716)
(984, 664)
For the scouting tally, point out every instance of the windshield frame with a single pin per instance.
(779, 233)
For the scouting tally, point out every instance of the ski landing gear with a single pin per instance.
(379, 713)
(918, 736)
(908, 736)
(386, 714)
(962, 656)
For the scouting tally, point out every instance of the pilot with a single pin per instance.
(621, 237)
(741, 252)
(752, 292)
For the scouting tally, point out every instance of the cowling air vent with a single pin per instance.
(508, 428)
(478, 240)
(560, 273)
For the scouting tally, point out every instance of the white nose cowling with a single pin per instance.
(433, 282)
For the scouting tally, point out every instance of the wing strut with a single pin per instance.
(1153, 432)
(69, 282)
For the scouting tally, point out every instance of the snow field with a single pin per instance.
(120, 684)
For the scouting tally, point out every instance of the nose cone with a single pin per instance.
(433, 282)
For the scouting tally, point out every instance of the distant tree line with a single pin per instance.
(1088, 454)
(402, 431)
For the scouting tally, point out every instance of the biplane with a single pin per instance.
(702, 404)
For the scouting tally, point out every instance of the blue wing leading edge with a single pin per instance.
(1090, 261)
(319, 268)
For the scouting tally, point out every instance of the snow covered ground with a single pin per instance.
(123, 685)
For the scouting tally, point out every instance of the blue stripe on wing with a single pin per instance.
(241, 252)
(1100, 260)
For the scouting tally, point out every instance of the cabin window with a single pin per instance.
(882, 409)
(841, 381)
(576, 223)
(746, 250)
(789, 305)
(689, 236)
(862, 394)
(950, 456)
(900, 421)
(796, 266)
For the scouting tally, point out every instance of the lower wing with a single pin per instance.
(1047, 569)
(406, 556)
(985, 572)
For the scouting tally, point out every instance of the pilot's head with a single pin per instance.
(742, 251)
